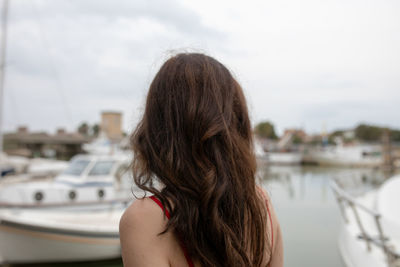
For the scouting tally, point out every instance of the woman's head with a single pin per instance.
(195, 138)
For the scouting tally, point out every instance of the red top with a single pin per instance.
(188, 259)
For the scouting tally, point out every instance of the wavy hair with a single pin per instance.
(195, 138)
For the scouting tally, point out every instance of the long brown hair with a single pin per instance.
(195, 138)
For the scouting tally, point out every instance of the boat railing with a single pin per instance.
(382, 242)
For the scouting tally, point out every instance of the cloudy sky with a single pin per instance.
(311, 64)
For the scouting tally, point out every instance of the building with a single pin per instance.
(298, 133)
(111, 125)
(61, 145)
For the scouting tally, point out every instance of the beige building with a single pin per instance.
(111, 124)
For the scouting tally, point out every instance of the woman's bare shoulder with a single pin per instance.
(139, 211)
(139, 228)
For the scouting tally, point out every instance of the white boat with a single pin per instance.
(284, 158)
(87, 179)
(102, 145)
(355, 156)
(370, 234)
(16, 166)
(258, 149)
(32, 236)
(12, 164)
(41, 167)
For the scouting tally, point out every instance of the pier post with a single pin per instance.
(387, 153)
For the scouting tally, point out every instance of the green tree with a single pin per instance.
(297, 140)
(368, 133)
(265, 130)
(395, 135)
(95, 130)
(83, 129)
(337, 133)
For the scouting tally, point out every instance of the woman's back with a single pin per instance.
(140, 229)
(144, 220)
(195, 139)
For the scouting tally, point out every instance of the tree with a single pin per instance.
(95, 130)
(368, 133)
(83, 129)
(265, 130)
(395, 134)
(297, 140)
(337, 133)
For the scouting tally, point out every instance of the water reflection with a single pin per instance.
(307, 209)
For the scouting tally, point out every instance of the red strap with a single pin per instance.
(188, 259)
(161, 206)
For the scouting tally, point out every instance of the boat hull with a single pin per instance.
(352, 156)
(354, 251)
(360, 224)
(23, 243)
(284, 158)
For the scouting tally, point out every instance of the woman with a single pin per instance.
(195, 139)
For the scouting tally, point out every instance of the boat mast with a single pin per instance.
(3, 45)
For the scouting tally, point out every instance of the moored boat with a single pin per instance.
(370, 234)
(346, 156)
(87, 179)
(284, 158)
(31, 235)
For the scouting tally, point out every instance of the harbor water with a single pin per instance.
(307, 211)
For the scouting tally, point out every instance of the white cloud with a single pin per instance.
(301, 63)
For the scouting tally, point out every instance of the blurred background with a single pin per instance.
(322, 83)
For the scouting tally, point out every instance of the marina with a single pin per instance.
(306, 206)
(71, 215)
(323, 116)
